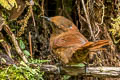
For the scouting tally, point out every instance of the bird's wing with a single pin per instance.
(69, 39)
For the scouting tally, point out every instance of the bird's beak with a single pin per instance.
(47, 18)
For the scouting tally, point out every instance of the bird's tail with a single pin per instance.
(99, 44)
(93, 46)
(88, 48)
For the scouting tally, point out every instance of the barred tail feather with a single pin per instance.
(99, 44)
(95, 45)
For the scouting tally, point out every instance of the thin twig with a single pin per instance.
(5, 45)
(78, 10)
(31, 4)
(30, 44)
(103, 14)
(97, 29)
(15, 43)
(88, 20)
(33, 17)
(42, 7)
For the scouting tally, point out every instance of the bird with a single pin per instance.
(68, 43)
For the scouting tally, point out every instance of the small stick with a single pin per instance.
(97, 28)
(15, 43)
(5, 45)
(33, 17)
(30, 44)
(88, 20)
(31, 4)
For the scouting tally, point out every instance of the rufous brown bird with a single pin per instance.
(68, 43)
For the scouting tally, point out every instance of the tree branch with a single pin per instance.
(83, 71)
(15, 43)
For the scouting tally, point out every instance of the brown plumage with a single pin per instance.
(68, 43)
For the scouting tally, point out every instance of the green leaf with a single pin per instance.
(22, 45)
(26, 53)
(66, 77)
(79, 65)
(34, 61)
(1, 40)
(43, 61)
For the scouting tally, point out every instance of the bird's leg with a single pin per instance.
(59, 64)
(86, 65)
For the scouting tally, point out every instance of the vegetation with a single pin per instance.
(22, 72)
(8, 4)
(115, 29)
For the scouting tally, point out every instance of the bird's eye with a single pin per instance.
(70, 27)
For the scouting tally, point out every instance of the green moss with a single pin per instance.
(8, 4)
(23, 72)
(115, 30)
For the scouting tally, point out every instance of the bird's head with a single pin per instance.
(62, 24)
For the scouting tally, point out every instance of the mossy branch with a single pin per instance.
(83, 71)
